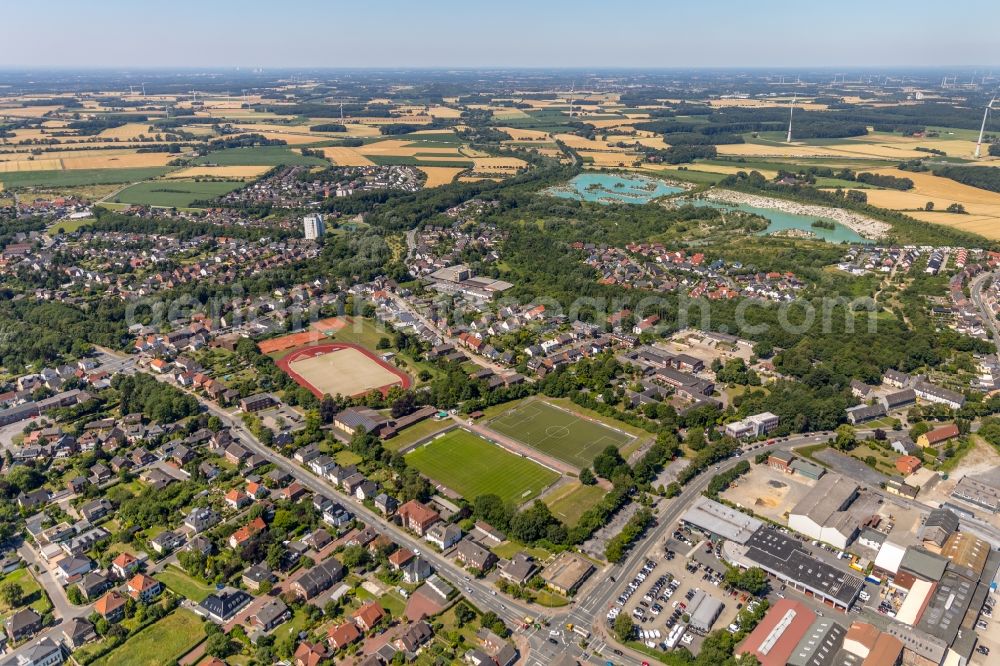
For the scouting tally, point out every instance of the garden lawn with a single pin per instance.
(160, 643)
(179, 582)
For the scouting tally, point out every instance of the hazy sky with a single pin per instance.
(512, 33)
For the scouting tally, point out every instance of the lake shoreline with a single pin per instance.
(862, 225)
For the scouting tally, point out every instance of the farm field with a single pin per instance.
(557, 432)
(572, 500)
(174, 193)
(79, 177)
(982, 206)
(472, 466)
(260, 155)
(160, 643)
(340, 369)
(438, 176)
(233, 172)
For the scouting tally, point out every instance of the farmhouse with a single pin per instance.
(938, 435)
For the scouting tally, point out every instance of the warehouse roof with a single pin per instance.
(722, 520)
(779, 554)
(923, 563)
(819, 645)
(778, 634)
(952, 597)
(828, 496)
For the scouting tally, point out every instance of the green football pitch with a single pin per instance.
(558, 432)
(472, 466)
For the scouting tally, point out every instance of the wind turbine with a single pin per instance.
(791, 110)
(982, 129)
(143, 88)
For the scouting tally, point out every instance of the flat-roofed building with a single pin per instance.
(720, 520)
(567, 572)
(704, 610)
(977, 493)
(784, 558)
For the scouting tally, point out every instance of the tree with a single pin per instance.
(753, 580)
(929, 206)
(587, 477)
(624, 627)
(845, 439)
(219, 645)
(12, 594)
(464, 614)
(695, 438)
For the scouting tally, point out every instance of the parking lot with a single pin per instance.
(656, 597)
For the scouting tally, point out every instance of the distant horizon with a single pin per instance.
(447, 34)
(513, 68)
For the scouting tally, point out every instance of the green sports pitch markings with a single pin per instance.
(472, 466)
(557, 432)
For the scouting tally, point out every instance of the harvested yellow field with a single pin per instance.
(608, 123)
(410, 120)
(525, 134)
(438, 176)
(124, 161)
(342, 156)
(358, 130)
(583, 143)
(128, 132)
(505, 164)
(31, 165)
(609, 159)
(27, 111)
(444, 112)
(982, 206)
(648, 141)
(472, 152)
(404, 148)
(219, 172)
(22, 135)
(476, 179)
(727, 170)
(790, 150)
(505, 113)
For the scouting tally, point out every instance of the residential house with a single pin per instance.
(444, 535)
(144, 588)
(318, 579)
(416, 517)
(342, 635)
(247, 533)
(471, 554)
(270, 615)
(124, 565)
(368, 616)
